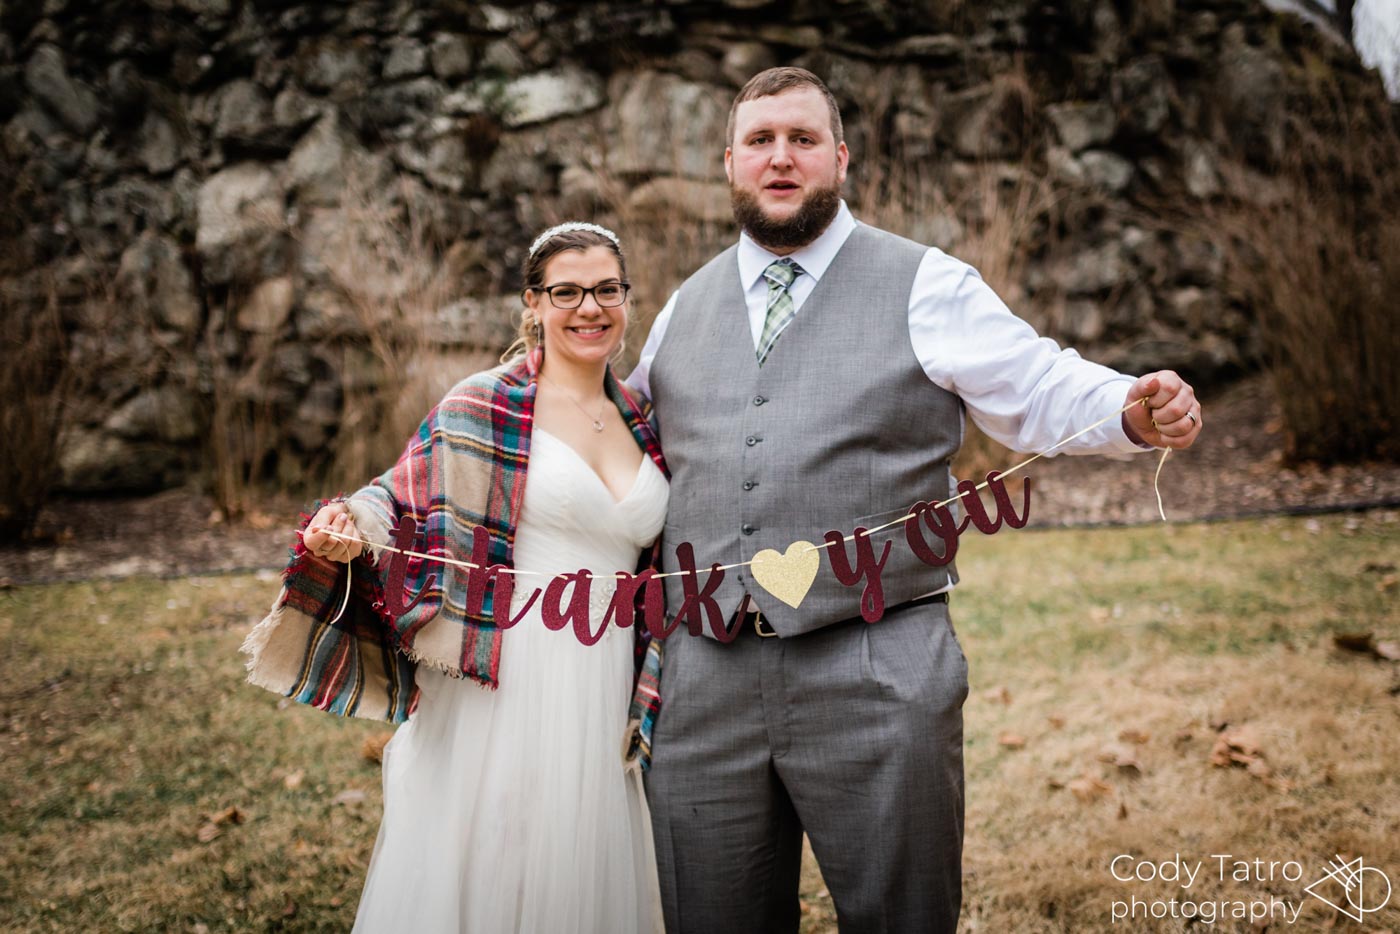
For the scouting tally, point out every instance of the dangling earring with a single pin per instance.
(539, 332)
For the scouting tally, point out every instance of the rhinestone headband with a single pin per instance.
(567, 228)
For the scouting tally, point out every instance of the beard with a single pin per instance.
(813, 215)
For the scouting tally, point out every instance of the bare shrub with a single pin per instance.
(1327, 316)
(35, 382)
(385, 278)
(1318, 259)
(394, 278)
(243, 423)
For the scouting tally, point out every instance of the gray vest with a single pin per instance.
(839, 428)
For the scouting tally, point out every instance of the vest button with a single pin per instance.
(759, 400)
(748, 529)
(751, 441)
(749, 484)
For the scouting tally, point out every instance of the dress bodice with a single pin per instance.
(570, 521)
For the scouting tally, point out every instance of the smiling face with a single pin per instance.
(589, 334)
(785, 168)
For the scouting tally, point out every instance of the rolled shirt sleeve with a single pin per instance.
(1022, 390)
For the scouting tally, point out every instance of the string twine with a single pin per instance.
(1156, 488)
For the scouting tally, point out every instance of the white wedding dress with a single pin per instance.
(510, 810)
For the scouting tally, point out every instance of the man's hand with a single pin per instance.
(332, 517)
(1172, 416)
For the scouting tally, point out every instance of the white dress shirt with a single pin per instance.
(1022, 390)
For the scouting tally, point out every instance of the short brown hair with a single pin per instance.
(776, 81)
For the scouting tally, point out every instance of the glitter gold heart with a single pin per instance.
(787, 576)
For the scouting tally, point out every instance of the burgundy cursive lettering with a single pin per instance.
(623, 606)
(394, 603)
(977, 513)
(941, 522)
(699, 602)
(872, 598)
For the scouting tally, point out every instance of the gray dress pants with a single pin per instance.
(852, 733)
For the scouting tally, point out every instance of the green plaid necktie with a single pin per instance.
(780, 274)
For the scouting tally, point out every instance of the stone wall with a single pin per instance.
(244, 205)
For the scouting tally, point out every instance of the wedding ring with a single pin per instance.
(1192, 416)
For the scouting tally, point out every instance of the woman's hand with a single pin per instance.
(332, 517)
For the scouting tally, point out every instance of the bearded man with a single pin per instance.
(814, 377)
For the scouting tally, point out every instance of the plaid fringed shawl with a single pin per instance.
(466, 466)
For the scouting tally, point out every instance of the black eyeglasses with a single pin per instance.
(566, 295)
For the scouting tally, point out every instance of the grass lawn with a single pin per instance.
(145, 787)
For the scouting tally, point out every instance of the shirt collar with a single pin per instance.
(814, 258)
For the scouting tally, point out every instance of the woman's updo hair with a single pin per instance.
(571, 236)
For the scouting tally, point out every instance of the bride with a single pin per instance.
(506, 810)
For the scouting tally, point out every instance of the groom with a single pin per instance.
(814, 377)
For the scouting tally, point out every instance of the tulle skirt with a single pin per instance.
(511, 810)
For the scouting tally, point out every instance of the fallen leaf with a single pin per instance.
(229, 815)
(1011, 740)
(1354, 641)
(373, 746)
(997, 695)
(207, 832)
(1241, 748)
(1364, 643)
(294, 779)
(1088, 788)
(1120, 756)
(289, 910)
(349, 796)
(1122, 811)
(1387, 583)
(1137, 737)
(1056, 722)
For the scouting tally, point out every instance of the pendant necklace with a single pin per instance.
(597, 420)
